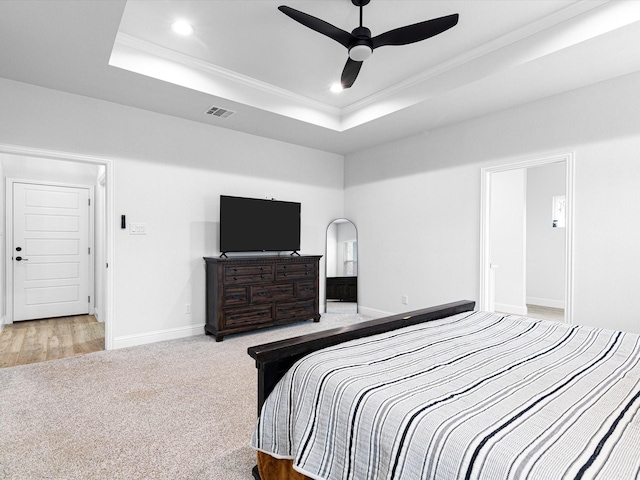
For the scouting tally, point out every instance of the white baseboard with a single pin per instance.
(546, 302)
(372, 312)
(2, 322)
(514, 309)
(157, 336)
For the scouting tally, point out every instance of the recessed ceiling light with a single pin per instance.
(336, 87)
(182, 27)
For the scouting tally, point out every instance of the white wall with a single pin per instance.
(417, 202)
(27, 168)
(508, 239)
(545, 244)
(168, 174)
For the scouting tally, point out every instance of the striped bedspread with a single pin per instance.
(475, 395)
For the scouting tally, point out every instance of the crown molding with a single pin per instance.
(485, 49)
(216, 71)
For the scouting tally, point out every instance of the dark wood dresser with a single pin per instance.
(247, 293)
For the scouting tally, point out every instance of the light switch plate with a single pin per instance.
(137, 228)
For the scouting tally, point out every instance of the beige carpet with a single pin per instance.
(183, 409)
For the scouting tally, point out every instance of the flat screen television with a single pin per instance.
(258, 225)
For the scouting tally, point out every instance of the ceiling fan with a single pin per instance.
(360, 43)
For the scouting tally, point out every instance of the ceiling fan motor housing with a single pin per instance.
(362, 47)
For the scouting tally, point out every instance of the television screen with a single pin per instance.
(257, 225)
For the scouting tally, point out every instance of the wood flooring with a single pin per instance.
(544, 313)
(34, 341)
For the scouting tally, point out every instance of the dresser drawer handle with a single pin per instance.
(236, 296)
(284, 274)
(261, 276)
(235, 278)
(235, 317)
(262, 294)
(262, 314)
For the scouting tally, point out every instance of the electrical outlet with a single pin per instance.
(187, 308)
(405, 299)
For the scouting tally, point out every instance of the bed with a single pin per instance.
(449, 392)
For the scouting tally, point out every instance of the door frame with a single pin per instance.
(485, 294)
(10, 291)
(109, 233)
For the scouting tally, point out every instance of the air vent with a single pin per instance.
(218, 112)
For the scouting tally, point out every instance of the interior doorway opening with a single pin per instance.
(43, 166)
(527, 238)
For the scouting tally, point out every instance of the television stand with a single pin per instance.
(294, 253)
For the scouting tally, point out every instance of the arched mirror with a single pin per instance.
(341, 263)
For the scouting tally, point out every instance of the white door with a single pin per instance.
(50, 251)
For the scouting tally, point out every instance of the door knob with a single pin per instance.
(18, 259)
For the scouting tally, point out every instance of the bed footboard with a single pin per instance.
(275, 358)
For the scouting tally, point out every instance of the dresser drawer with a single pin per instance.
(295, 271)
(307, 289)
(235, 296)
(244, 274)
(233, 317)
(269, 293)
(285, 311)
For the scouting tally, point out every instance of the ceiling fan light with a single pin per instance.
(359, 53)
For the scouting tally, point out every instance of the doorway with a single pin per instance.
(44, 166)
(526, 252)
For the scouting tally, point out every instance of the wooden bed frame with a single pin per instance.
(275, 358)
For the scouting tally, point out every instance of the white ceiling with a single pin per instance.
(248, 57)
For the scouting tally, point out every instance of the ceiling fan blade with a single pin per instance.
(320, 26)
(350, 73)
(416, 32)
